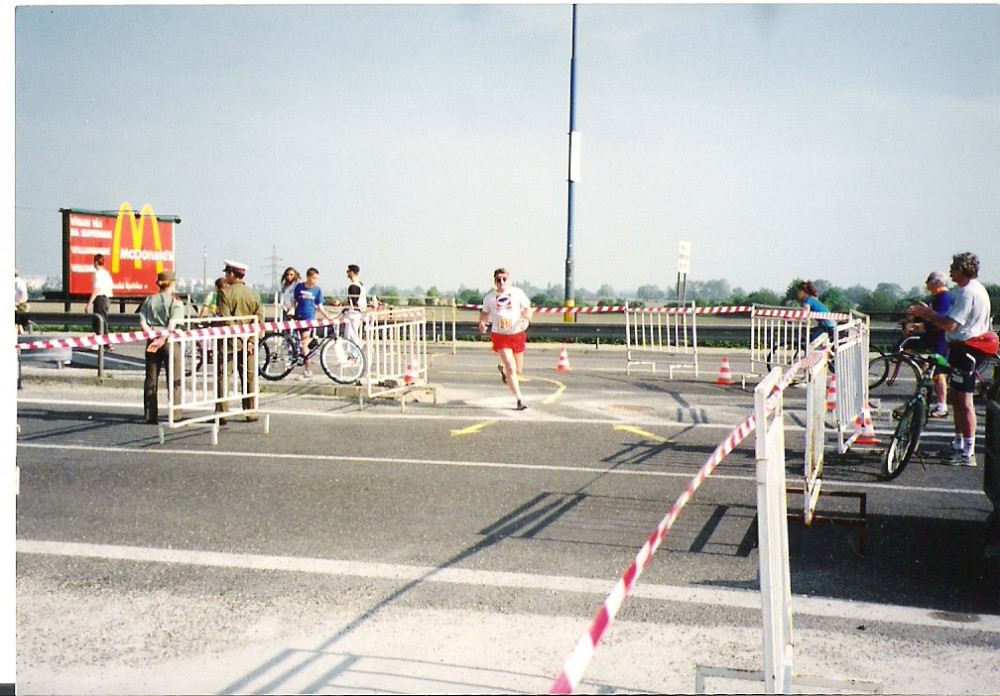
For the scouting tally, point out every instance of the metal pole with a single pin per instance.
(569, 173)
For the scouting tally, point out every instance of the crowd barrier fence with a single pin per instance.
(395, 346)
(768, 423)
(851, 346)
(655, 336)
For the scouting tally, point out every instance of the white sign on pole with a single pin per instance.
(683, 257)
(574, 156)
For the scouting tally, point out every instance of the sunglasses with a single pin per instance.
(497, 279)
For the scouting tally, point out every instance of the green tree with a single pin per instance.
(763, 296)
(468, 296)
(835, 301)
(649, 292)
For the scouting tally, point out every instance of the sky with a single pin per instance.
(857, 144)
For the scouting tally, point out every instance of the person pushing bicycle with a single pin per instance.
(970, 343)
(308, 301)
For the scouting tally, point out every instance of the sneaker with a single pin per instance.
(306, 374)
(521, 406)
(939, 411)
(960, 459)
(503, 375)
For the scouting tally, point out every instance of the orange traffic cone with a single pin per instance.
(831, 394)
(725, 376)
(412, 371)
(562, 365)
(867, 436)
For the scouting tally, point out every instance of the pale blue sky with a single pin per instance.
(427, 143)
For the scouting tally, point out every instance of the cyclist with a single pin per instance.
(931, 339)
(970, 343)
(808, 296)
(308, 300)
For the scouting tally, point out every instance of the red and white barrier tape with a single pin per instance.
(736, 309)
(578, 660)
(212, 331)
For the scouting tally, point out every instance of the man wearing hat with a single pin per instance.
(238, 300)
(160, 311)
(930, 338)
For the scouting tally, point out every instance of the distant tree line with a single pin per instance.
(885, 298)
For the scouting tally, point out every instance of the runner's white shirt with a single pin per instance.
(505, 310)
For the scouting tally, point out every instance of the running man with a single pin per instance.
(508, 311)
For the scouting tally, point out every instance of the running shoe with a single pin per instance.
(940, 411)
(306, 374)
(961, 459)
(503, 375)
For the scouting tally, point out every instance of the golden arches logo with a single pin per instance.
(137, 226)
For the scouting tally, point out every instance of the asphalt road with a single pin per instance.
(464, 547)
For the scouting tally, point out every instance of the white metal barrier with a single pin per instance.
(665, 334)
(851, 342)
(395, 345)
(778, 337)
(219, 366)
(772, 512)
(816, 381)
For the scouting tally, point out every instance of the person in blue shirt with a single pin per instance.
(808, 296)
(308, 300)
(931, 339)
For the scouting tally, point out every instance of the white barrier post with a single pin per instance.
(816, 376)
(772, 512)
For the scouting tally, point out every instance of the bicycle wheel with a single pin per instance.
(893, 378)
(904, 441)
(343, 361)
(278, 357)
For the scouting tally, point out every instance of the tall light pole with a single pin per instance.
(573, 172)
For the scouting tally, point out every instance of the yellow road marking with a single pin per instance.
(643, 433)
(472, 429)
(560, 387)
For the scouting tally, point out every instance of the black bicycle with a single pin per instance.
(342, 359)
(913, 416)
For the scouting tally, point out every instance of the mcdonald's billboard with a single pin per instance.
(136, 246)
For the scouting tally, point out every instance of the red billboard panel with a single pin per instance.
(136, 246)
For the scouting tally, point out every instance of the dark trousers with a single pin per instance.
(101, 306)
(224, 367)
(154, 363)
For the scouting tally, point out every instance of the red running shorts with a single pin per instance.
(515, 342)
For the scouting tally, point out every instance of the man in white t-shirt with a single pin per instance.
(968, 332)
(100, 297)
(508, 311)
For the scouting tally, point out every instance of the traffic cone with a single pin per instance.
(867, 436)
(562, 365)
(725, 376)
(831, 394)
(412, 371)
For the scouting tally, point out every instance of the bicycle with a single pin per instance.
(915, 413)
(342, 359)
(895, 374)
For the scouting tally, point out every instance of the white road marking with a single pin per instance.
(868, 613)
(472, 464)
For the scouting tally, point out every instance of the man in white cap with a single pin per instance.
(237, 300)
(931, 338)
